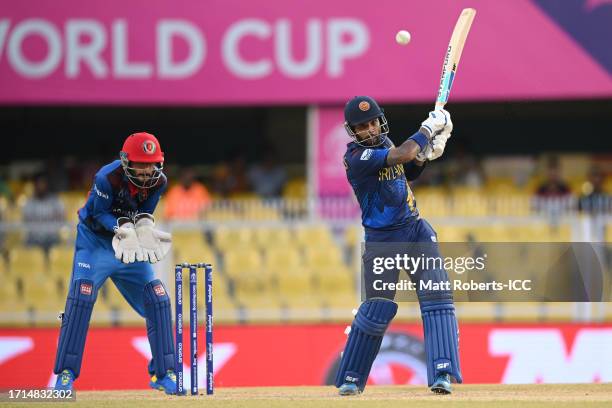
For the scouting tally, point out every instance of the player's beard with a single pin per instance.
(372, 140)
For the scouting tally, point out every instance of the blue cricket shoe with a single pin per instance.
(442, 385)
(167, 383)
(64, 381)
(348, 389)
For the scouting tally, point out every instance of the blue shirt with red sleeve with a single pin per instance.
(382, 191)
(113, 195)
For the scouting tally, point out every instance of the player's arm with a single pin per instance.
(413, 169)
(408, 151)
(103, 200)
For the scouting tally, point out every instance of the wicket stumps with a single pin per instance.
(193, 325)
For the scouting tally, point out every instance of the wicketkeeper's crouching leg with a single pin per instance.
(75, 323)
(363, 343)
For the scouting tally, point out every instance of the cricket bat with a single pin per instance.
(453, 54)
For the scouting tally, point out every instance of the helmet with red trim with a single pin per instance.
(142, 147)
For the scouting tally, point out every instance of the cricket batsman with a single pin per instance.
(379, 173)
(117, 239)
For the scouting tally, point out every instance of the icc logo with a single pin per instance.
(148, 147)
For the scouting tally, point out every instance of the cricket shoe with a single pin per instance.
(167, 383)
(348, 389)
(64, 381)
(442, 385)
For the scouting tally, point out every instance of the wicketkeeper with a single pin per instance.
(117, 239)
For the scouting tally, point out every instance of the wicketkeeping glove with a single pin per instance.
(125, 242)
(155, 244)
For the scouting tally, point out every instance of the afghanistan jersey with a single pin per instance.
(113, 195)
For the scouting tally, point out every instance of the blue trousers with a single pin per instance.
(94, 259)
(415, 239)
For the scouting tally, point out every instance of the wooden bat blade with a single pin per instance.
(453, 55)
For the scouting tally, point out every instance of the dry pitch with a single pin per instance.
(524, 396)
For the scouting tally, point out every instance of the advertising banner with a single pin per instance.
(231, 52)
(116, 358)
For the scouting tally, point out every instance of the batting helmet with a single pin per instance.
(362, 109)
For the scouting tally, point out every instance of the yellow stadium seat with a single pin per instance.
(24, 261)
(243, 260)
(60, 261)
(295, 188)
(73, 201)
(220, 214)
(258, 211)
(314, 235)
(251, 284)
(353, 235)
(194, 253)
(3, 266)
(262, 306)
(319, 257)
(609, 232)
(334, 281)
(296, 282)
(8, 295)
(228, 238)
(469, 203)
(451, 233)
(272, 237)
(515, 204)
(188, 237)
(281, 259)
(110, 295)
(41, 294)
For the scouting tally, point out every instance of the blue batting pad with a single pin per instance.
(75, 322)
(441, 337)
(364, 341)
(159, 326)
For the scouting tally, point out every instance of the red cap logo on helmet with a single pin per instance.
(142, 147)
(364, 106)
(149, 147)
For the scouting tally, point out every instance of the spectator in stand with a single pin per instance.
(43, 214)
(186, 200)
(553, 196)
(228, 178)
(553, 186)
(268, 178)
(594, 199)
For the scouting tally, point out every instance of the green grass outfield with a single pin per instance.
(523, 396)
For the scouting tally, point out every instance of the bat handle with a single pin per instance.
(439, 105)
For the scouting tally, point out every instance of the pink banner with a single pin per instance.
(221, 52)
(330, 140)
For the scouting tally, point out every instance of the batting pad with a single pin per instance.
(75, 322)
(159, 326)
(364, 341)
(441, 338)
